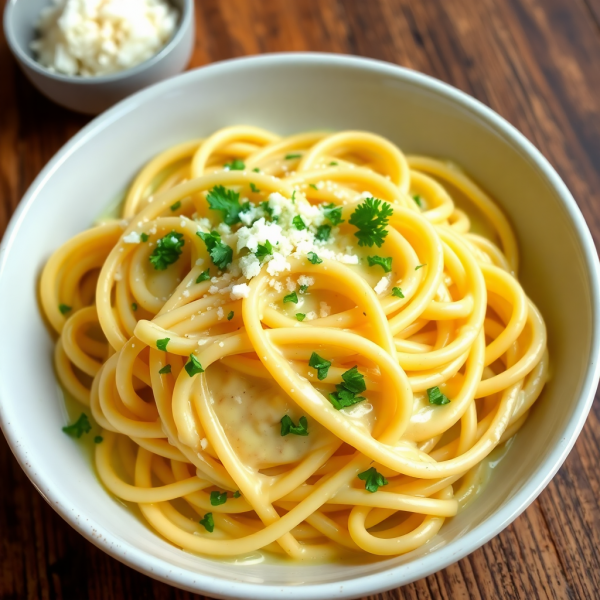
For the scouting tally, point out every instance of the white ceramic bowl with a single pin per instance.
(289, 93)
(92, 95)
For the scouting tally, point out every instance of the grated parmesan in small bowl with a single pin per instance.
(91, 38)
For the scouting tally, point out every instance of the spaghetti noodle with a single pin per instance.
(296, 344)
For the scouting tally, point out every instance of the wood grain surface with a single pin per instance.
(537, 63)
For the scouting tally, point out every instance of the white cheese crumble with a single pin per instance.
(324, 309)
(132, 238)
(204, 443)
(382, 285)
(220, 312)
(98, 37)
(241, 290)
(306, 280)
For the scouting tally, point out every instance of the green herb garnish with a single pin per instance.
(64, 309)
(303, 289)
(204, 276)
(346, 395)
(227, 201)
(134, 306)
(373, 479)
(237, 494)
(167, 251)
(436, 397)
(420, 266)
(333, 213)
(230, 316)
(371, 218)
(220, 253)
(193, 367)
(300, 316)
(418, 200)
(333, 163)
(320, 364)
(162, 344)
(165, 370)
(385, 262)
(218, 498)
(313, 186)
(314, 259)
(396, 291)
(77, 429)
(208, 522)
(254, 188)
(292, 297)
(323, 232)
(287, 426)
(98, 439)
(256, 170)
(236, 165)
(264, 250)
(175, 206)
(299, 223)
(144, 237)
(292, 156)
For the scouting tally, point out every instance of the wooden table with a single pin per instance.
(537, 63)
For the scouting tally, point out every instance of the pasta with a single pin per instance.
(296, 344)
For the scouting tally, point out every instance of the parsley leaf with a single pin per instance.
(134, 306)
(237, 494)
(385, 262)
(312, 185)
(287, 426)
(218, 498)
(208, 522)
(373, 479)
(436, 397)
(333, 213)
(323, 232)
(256, 170)
(292, 156)
(418, 200)
(230, 316)
(299, 223)
(420, 266)
(353, 384)
(167, 251)
(64, 309)
(254, 188)
(333, 163)
(144, 237)
(314, 259)
(300, 316)
(166, 369)
(81, 426)
(303, 289)
(396, 291)
(193, 367)
(236, 165)
(265, 206)
(293, 297)
(204, 276)
(371, 218)
(264, 250)
(162, 344)
(221, 254)
(174, 207)
(320, 364)
(227, 201)
(98, 439)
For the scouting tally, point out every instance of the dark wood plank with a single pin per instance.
(537, 63)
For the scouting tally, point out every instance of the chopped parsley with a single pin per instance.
(81, 426)
(420, 266)
(208, 522)
(175, 206)
(292, 156)
(313, 186)
(292, 297)
(193, 367)
(220, 253)
(264, 250)
(371, 218)
(134, 306)
(300, 316)
(347, 391)
(418, 200)
(162, 344)
(436, 397)
(165, 370)
(228, 202)
(204, 276)
(167, 251)
(254, 188)
(385, 262)
(256, 170)
(396, 291)
(265, 206)
(333, 213)
(303, 289)
(314, 259)
(299, 224)
(373, 479)
(237, 494)
(218, 498)
(287, 426)
(320, 364)
(323, 232)
(64, 309)
(98, 439)
(144, 237)
(294, 197)
(333, 163)
(235, 165)
(230, 316)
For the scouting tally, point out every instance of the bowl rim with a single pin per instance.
(183, 25)
(440, 558)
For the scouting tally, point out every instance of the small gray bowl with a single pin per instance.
(92, 95)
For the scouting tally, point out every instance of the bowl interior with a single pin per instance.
(290, 94)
